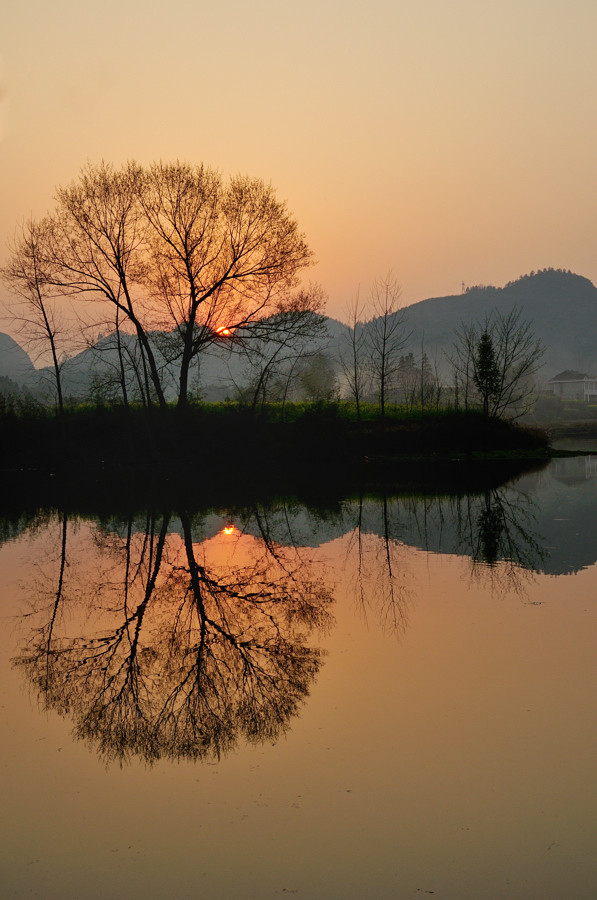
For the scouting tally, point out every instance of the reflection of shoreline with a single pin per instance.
(561, 492)
(557, 503)
(117, 492)
(496, 525)
(184, 635)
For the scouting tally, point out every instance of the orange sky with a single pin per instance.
(449, 142)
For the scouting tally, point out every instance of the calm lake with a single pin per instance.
(389, 697)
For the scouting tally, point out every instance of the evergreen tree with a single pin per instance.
(486, 371)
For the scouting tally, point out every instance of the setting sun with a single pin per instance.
(223, 331)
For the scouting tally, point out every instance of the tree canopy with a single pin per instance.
(170, 247)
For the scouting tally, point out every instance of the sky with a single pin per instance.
(449, 142)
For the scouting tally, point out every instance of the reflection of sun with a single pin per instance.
(228, 529)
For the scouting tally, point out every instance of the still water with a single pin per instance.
(391, 697)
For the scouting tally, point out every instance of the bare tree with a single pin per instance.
(274, 347)
(386, 336)
(173, 247)
(498, 359)
(353, 361)
(222, 257)
(30, 277)
(96, 247)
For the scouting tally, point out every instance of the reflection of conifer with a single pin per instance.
(490, 527)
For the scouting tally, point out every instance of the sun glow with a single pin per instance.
(228, 529)
(223, 331)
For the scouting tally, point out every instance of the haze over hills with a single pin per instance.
(561, 306)
(15, 363)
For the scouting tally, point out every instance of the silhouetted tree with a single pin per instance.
(486, 373)
(172, 247)
(386, 336)
(353, 355)
(221, 256)
(499, 358)
(30, 276)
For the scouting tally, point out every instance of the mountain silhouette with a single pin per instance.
(560, 306)
(15, 363)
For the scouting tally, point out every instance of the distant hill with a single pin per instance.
(216, 372)
(15, 362)
(561, 306)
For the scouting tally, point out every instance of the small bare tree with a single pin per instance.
(352, 359)
(29, 276)
(386, 336)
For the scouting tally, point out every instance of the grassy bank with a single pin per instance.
(225, 454)
(221, 437)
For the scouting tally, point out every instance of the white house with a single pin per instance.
(571, 385)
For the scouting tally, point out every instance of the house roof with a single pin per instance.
(570, 375)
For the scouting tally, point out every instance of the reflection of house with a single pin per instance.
(574, 470)
(573, 385)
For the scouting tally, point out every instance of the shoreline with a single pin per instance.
(227, 455)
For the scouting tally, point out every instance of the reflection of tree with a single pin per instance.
(181, 656)
(499, 529)
(49, 595)
(380, 579)
(494, 529)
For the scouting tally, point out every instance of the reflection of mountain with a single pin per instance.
(556, 507)
(498, 524)
(566, 510)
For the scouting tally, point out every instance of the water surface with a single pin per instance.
(389, 697)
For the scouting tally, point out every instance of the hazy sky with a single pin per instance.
(448, 141)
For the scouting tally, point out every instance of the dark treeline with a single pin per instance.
(106, 489)
(227, 444)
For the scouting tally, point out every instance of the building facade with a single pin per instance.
(571, 385)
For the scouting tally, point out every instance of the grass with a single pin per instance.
(224, 452)
(225, 434)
